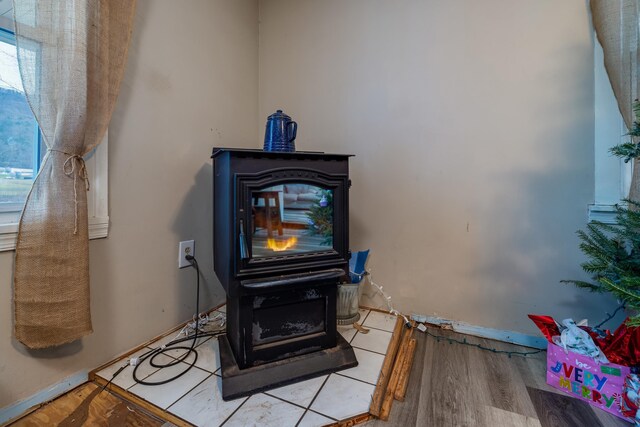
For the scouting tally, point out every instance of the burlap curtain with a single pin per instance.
(71, 55)
(616, 24)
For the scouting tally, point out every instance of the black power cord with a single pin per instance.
(151, 355)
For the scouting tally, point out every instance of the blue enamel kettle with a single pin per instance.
(280, 133)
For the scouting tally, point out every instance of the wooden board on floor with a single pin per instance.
(403, 382)
(396, 373)
(89, 405)
(405, 413)
(385, 372)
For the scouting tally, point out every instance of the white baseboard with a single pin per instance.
(15, 410)
(480, 331)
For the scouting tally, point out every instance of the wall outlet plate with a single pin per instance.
(188, 247)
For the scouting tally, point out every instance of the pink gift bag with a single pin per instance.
(583, 378)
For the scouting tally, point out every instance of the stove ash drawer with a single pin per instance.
(280, 324)
(288, 322)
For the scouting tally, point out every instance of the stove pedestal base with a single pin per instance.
(245, 382)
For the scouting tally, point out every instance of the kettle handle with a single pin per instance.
(292, 133)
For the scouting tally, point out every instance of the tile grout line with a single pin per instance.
(364, 319)
(324, 415)
(98, 374)
(371, 351)
(134, 381)
(315, 412)
(282, 399)
(308, 409)
(362, 324)
(189, 391)
(235, 411)
(159, 369)
(314, 399)
(189, 363)
(355, 379)
(301, 417)
(354, 336)
(304, 410)
(151, 349)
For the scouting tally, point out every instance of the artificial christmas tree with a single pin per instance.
(614, 249)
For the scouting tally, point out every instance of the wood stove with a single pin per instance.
(281, 240)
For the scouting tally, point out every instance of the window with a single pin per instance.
(612, 175)
(20, 147)
(22, 150)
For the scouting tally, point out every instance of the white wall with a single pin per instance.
(190, 84)
(473, 127)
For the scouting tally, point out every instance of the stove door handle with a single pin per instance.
(244, 250)
(293, 279)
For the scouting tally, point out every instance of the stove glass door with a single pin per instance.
(291, 218)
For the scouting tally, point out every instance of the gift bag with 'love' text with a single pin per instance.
(579, 376)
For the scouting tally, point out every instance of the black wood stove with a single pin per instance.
(281, 240)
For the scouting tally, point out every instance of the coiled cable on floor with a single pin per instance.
(151, 355)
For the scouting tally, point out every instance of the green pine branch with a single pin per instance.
(585, 285)
(613, 257)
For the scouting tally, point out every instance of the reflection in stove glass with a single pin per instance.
(291, 218)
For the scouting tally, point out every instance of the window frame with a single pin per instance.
(97, 198)
(612, 176)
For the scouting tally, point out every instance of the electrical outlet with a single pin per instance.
(188, 247)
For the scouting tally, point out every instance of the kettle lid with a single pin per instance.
(279, 115)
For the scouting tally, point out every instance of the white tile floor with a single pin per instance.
(196, 396)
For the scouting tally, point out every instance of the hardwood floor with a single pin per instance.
(460, 385)
(89, 405)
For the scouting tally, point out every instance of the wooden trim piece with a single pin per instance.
(387, 401)
(153, 409)
(350, 422)
(387, 365)
(511, 337)
(403, 382)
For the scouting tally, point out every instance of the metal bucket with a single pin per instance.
(348, 303)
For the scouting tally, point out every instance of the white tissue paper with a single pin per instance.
(572, 338)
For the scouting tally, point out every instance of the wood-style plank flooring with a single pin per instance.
(460, 385)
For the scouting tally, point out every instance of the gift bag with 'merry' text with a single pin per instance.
(583, 378)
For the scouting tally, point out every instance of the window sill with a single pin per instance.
(602, 213)
(98, 229)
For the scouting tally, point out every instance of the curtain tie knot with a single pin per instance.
(73, 162)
